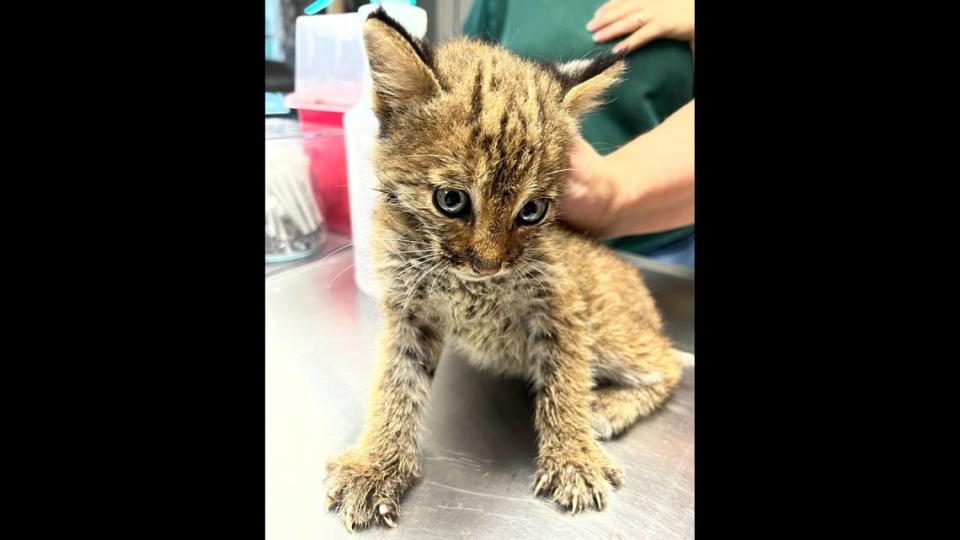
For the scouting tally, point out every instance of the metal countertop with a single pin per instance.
(479, 442)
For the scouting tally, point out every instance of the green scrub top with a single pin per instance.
(659, 77)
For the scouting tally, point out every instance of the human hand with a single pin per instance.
(643, 20)
(588, 202)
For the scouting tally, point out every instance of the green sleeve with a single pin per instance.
(485, 20)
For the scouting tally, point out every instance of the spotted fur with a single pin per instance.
(563, 312)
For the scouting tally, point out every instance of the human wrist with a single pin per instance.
(627, 184)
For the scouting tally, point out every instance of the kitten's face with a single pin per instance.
(478, 199)
(474, 144)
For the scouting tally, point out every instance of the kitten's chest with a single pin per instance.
(489, 328)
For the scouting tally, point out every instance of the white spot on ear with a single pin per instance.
(585, 95)
(573, 67)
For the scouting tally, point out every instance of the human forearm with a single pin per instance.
(656, 178)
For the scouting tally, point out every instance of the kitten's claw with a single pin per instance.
(598, 497)
(614, 475)
(389, 522)
(542, 484)
(578, 482)
(364, 491)
(388, 513)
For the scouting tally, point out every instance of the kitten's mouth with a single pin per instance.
(471, 276)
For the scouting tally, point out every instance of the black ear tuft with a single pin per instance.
(401, 67)
(584, 81)
(600, 64)
(421, 47)
(597, 65)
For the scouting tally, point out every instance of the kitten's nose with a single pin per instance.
(485, 268)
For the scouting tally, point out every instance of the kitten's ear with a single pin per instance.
(401, 65)
(585, 81)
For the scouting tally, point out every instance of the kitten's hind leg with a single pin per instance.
(616, 408)
(638, 381)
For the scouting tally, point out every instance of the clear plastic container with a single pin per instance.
(294, 225)
(329, 62)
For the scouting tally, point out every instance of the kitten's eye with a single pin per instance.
(452, 202)
(533, 212)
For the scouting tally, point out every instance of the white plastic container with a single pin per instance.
(360, 131)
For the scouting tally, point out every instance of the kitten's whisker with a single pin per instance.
(411, 266)
(408, 293)
(526, 268)
(403, 252)
(547, 277)
(530, 277)
(561, 170)
(410, 242)
(545, 176)
(406, 270)
(416, 247)
(440, 273)
(542, 273)
(389, 246)
(334, 252)
(420, 260)
(413, 288)
(407, 254)
(329, 285)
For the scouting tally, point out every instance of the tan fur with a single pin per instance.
(564, 312)
(586, 96)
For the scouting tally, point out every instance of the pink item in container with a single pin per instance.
(324, 144)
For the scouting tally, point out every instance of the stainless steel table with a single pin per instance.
(479, 442)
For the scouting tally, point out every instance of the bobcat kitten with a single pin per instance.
(471, 159)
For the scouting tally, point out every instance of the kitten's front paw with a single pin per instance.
(577, 481)
(364, 491)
